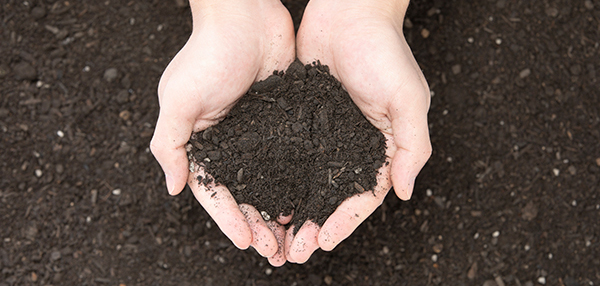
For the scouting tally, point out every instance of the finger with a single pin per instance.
(283, 220)
(278, 259)
(222, 207)
(289, 238)
(413, 146)
(168, 147)
(263, 239)
(353, 211)
(305, 242)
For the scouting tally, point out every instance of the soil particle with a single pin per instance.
(293, 148)
(24, 71)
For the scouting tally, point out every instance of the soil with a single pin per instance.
(295, 143)
(510, 195)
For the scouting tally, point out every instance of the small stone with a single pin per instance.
(572, 170)
(265, 215)
(116, 192)
(556, 172)
(437, 248)
(332, 200)
(24, 71)
(55, 255)
(111, 74)
(589, 4)
(529, 212)
(328, 280)
(472, 271)
(490, 283)
(456, 69)
(214, 155)
(496, 234)
(38, 12)
(542, 280)
(552, 12)
(123, 96)
(425, 33)
(38, 173)
(297, 127)
(60, 169)
(598, 161)
(408, 23)
(525, 73)
(125, 115)
(359, 188)
(268, 271)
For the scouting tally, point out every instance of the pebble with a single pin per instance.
(456, 69)
(265, 215)
(598, 161)
(572, 170)
(552, 12)
(490, 283)
(529, 212)
(111, 74)
(525, 73)
(425, 33)
(542, 280)
(24, 71)
(38, 173)
(55, 255)
(556, 172)
(328, 280)
(472, 271)
(332, 200)
(38, 12)
(589, 4)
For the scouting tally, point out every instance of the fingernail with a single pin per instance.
(170, 183)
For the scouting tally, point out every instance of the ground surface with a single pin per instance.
(510, 195)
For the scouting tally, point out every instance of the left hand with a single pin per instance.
(363, 45)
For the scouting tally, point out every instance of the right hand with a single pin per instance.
(232, 46)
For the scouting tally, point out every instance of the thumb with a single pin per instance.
(413, 147)
(168, 147)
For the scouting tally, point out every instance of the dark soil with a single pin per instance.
(296, 142)
(510, 195)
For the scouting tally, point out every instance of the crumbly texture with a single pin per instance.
(295, 142)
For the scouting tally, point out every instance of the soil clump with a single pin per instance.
(295, 142)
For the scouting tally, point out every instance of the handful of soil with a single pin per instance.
(295, 142)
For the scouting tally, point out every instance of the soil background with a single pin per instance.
(510, 195)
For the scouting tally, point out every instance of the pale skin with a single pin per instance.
(235, 43)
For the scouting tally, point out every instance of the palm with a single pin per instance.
(367, 52)
(227, 52)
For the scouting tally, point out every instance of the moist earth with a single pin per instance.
(295, 143)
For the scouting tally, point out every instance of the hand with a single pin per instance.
(232, 46)
(363, 45)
